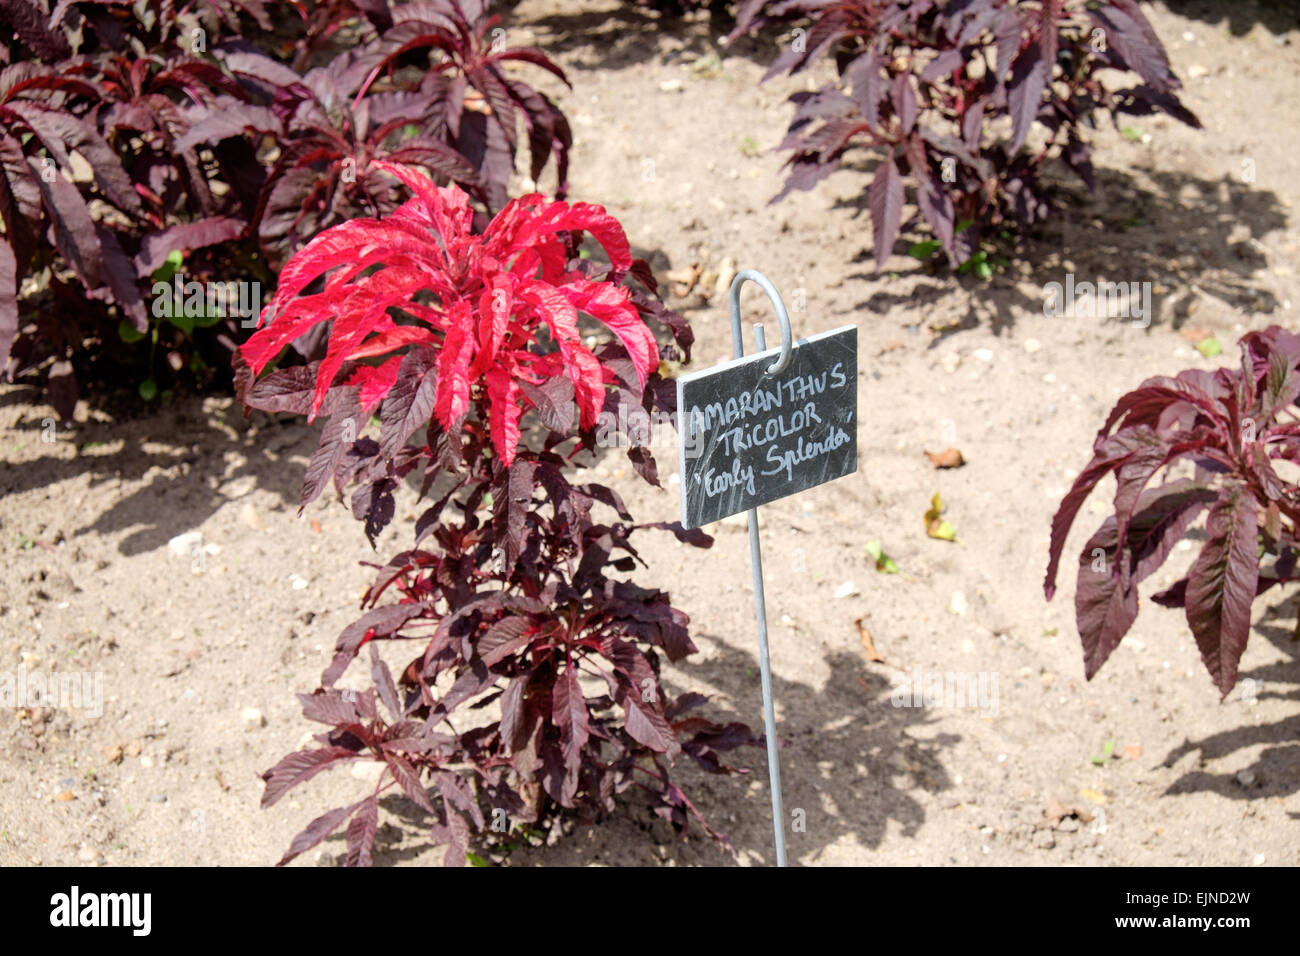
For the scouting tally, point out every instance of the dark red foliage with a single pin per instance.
(1230, 425)
(429, 92)
(170, 107)
(509, 588)
(924, 84)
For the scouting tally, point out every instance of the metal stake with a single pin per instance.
(755, 552)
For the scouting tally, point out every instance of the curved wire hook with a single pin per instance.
(737, 342)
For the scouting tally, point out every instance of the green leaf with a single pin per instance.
(169, 267)
(944, 531)
(182, 321)
(984, 270)
(923, 250)
(1132, 133)
(883, 561)
(476, 860)
(1209, 347)
(1108, 748)
(148, 390)
(128, 333)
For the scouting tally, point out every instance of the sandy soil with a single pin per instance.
(676, 141)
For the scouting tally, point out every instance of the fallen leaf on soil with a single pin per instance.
(1133, 751)
(1195, 335)
(315, 526)
(132, 749)
(113, 754)
(935, 526)
(948, 458)
(65, 796)
(1095, 796)
(867, 645)
(883, 561)
(221, 781)
(684, 279)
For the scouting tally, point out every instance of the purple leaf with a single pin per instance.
(299, 767)
(1221, 585)
(187, 236)
(8, 302)
(316, 831)
(361, 833)
(1025, 93)
(885, 199)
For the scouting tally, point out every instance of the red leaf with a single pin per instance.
(299, 767)
(569, 711)
(885, 198)
(361, 833)
(1221, 585)
(1025, 92)
(8, 302)
(316, 831)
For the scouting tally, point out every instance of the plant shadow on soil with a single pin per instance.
(1276, 771)
(199, 459)
(848, 776)
(1276, 16)
(1184, 234)
(628, 35)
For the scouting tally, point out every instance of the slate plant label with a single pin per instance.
(749, 437)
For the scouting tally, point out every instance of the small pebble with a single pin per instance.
(187, 544)
(1033, 345)
(252, 718)
(847, 589)
(957, 604)
(984, 355)
(251, 517)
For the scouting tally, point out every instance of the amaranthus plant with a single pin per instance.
(1231, 426)
(926, 87)
(468, 349)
